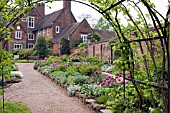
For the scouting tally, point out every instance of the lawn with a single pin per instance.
(13, 107)
(24, 61)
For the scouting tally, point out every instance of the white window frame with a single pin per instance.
(24, 19)
(20, 46)
(39, 32)
(31, 21)
(31, 45)
(43, 31)
(29, 34)
(18, 27)
(18, 34)
(57, 29)
(84, 37)
(48, 31)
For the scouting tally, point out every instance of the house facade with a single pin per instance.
(60, 27)
(23, 36)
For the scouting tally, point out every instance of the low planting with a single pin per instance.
(98, 80)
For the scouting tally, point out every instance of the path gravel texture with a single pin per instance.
(42, 95)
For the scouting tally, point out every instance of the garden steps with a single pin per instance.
(105, 111)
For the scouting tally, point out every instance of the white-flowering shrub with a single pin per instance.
(71, 90)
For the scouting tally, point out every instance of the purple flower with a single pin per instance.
(103, 70)
(116, 84)
(98, 83)
(110, 85)
(88, 82)
(109, 71)
(128, 76)
(102, 83)
(126, 82)
(97, 72)
(109, 81)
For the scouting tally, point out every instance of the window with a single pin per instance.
(18, 34)
(24, 19)
(84, 37)
(57, 29)
(30, 45)
(18, 27)
(43, 31)
(39, 33)
(31, 22)
(48, 31)
(30, 36)
(17, 46)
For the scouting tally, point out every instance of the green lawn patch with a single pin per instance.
(13, 107)
(24, 61)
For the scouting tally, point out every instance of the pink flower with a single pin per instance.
(103, 70)
(110, 85)
(126, 82)
(102, 83)
(109, 81)
(98, 83)
(97, 72)
(109, 71)
(116, 84)
(88, 82)
(128, 76)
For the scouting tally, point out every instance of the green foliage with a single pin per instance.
(41, 47)
(95, 37)
(83, 44)
(88, 69)
(78, 42)
(92, 60)
(24, 53)
(13, 107)
(102, 24)
(102, 99)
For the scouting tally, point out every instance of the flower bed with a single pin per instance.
(93, 80)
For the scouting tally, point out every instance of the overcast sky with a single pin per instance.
(79, 9)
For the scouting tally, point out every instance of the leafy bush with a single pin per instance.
(15, 51)
(88, 69)
(102, 99)
(71, 90)
(80, 79)
(41, 47)
(24, 53)
(93, 59)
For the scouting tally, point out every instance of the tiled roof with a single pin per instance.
(65, 32)
(47, 20)
(106, 35)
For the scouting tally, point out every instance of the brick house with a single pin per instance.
(22, 35)
(60, 27)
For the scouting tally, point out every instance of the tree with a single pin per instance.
(95, 37)
(40, 47)
(102, 24)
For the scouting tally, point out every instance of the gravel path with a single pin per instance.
(42, 95)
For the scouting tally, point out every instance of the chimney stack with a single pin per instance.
(67, 5)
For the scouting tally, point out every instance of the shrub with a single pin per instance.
(88, 69)
(41, 47)
(15, 51)
(93, 59)
(102, 99)
(24, 53)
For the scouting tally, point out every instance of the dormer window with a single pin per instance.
(57, 29)
(24, 19)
